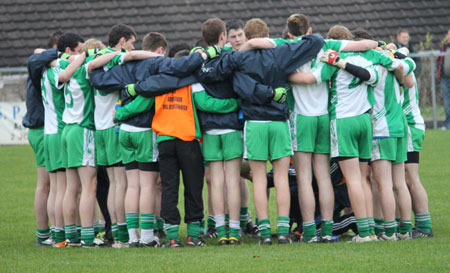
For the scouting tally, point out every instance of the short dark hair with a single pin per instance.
(154, 40)
(118, 31)
(181, 53)
(359, 34)
(211, 30)
(234, 24)
(201, 43)
(178, 47)
(298, 24)
(402, 30)
(53, 38)
(69, 40)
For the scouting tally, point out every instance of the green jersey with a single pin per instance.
(387, 115)
(53, 98)
(79, 98)
(411, 99)
(312, 99)
(348, 95)
(105, 102)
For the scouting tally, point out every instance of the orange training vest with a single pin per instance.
(174, 114)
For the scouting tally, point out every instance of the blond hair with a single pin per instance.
(339, 32)
(92, 44)
(256, 28)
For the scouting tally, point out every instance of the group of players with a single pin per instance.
(146, 117)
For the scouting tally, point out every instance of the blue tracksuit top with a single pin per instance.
(256, 73)
(153, 77)
(34, 117)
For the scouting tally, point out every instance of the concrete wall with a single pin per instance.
(13, 87)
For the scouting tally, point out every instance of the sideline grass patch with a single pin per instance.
(19, 254)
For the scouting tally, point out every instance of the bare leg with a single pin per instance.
(326, 193)
(61, 189)
(350, 170)
(111, 195)
(70, 204)
(158, 192)
(51, 198)
(258, 168)
(232, 183)
(217, 186)
(121, 189)
(88, 194)
(367, 187)
(281, 181)
(302, 163)
(401, 190)
(382, 171)
(40, 198)
(147, 182)
(418, 193)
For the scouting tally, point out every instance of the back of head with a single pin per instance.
(178, 47)
(339, 32)
(69, 40)
(118, 31)
(211, 30)
(234, 24)
(285, 34)
(154, 40)
(201, 43)
(360, 34)
(181, 53)
(53, 38)
(298, 24)
(92, 43)
(256, 28)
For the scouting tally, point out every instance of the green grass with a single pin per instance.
(18, 253)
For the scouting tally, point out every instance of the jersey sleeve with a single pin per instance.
(374, 71)
(61, 64)
(116, 60)
(408, 66)
(205, 102)
(138, 105)
(385, 60)
(250, 90)
(337, 45)
(323, 72)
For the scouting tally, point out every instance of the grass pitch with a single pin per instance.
(19, 254)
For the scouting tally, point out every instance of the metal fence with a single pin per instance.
(13, 84)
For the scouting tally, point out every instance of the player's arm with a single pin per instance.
(137, 106)
(37, 62)
(71, 68)
(254, 92)
(332, 57)
(257, 43)
(180, 67)
(409, 81)
(362, 45)
(101, 60)
(205, 102)
(156, 85)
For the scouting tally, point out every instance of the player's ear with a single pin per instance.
(309, 31)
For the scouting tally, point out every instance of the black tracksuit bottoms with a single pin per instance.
(176, 155)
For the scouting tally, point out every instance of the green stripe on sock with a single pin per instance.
(193, 229)
(327, 228)
(363, 226)
(390, 228)
(283, 225)
(264, 227)
(172, 231)
(379, 226)
(309, 230)
(147, 220)
(405, 226)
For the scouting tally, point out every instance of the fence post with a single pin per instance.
(433, 91)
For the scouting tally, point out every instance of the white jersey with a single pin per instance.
(312, 99)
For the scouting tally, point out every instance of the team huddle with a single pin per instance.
(238, 97)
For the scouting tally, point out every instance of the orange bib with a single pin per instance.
(174, 114)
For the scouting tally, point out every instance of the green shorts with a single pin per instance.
(392, 149)
(53, 152)
(222, 147)
(107, 149)
(264, 139)
(78, 146)
(351, 137)
(415, 138)
(36, 140)
(138, 146)
(310, 133)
